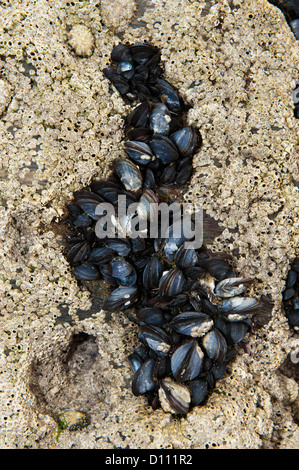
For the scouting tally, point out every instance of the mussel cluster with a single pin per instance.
(189, 303)
(291, 295)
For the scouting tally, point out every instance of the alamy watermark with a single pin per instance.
(147, 219)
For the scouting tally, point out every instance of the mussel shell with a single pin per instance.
(172, 283)
(86, 272)
(215, 345)
(219, 268)
(160, 119)
(128, 173)
(184, 174)
(294, 24)
(139, 152)
(164, 149)
(186, 140)
(111, 191)
(101, 255)
(122, 297)
(151, 316)
(156, 338)
(171, 98)
(143, 380)
(185, 258)
(120, 267)
(82, 220)
(88, 201)
(121, 246)
(152, 273)
(293, 318)
(120, 52)
(139, 116)
(187, 361)
(199, 391)
(141, 53)
(140, 134)
(174, 397)
(148, 206)
(236, 308)
(232, 287)
(79, 252)
(120, 83)
(194, 324)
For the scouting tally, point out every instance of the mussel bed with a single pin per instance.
(188, 302)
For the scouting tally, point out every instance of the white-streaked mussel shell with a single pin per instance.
(174, 398)
(187, 361)
(194, 324)
(128, 173)
(232, 287)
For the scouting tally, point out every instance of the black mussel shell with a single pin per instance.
(199, 391)
(215, 345)
(143, 380)
(194, 324)
(187, 361)
(152, 273)
(151, 316)
(156, 338)
(164, 149)
(171, 98)
(172, 283)
(122, 297)
(86, 272)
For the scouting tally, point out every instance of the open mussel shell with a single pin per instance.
(187, 361)
(156, 338)
(194, 324)
(174, 398)
(128, 173)
(215, 345)
(186, 140)
(122, 297)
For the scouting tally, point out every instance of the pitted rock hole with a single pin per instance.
(70, 378)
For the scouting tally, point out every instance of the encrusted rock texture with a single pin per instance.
(61, 126)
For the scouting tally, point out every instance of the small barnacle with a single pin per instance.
(81, 40)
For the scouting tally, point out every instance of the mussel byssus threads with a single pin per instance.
(189, 302)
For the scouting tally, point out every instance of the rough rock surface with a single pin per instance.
(62, 125)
